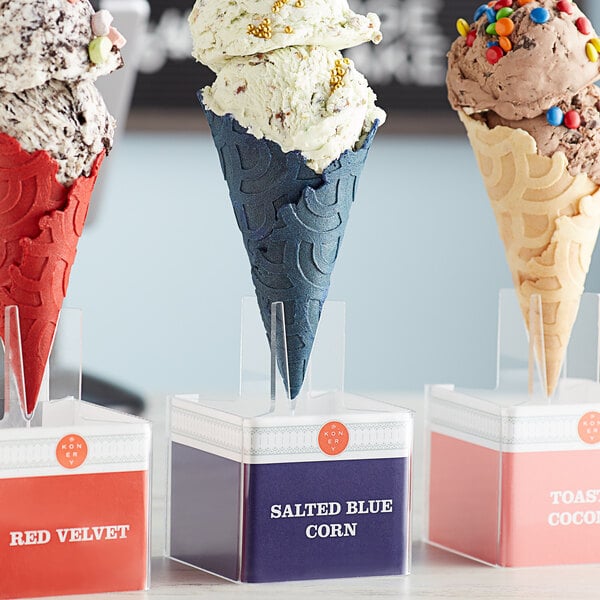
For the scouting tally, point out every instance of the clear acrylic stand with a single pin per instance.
(14, 410)
(521, 369)
(263, 366)
(62, 377)
(81, 453)
(232, 460)
(521, 356)
(498, 459)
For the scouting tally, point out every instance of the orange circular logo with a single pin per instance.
(333, 438)
(589, 428)
(71, 451)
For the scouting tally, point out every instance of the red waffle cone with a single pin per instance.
(41, 222)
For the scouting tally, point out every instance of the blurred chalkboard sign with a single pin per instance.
(407, 69)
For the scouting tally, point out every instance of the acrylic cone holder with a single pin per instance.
(512, 473)
(265, 489)
(74, 481)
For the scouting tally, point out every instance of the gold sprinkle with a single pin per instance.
(299, 4)
(278, 5)
(262, 30)
(336, 79)
(288, 29)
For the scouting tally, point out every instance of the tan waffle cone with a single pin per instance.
(548, 221)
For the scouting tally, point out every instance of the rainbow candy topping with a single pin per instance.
(496, 21)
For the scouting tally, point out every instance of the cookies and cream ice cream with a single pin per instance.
(521, 77)
(51, 52)
(55, 131)
(42, 40)
(222, 30)
(68, 120)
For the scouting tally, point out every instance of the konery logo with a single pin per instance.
(71, 451)
(333, 438)
(589, 428)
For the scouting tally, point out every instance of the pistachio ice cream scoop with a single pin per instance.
(292, 121)
(320, 106)
(222, 30)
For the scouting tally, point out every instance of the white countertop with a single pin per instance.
(435, 573)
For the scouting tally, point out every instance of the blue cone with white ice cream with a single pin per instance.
(293, 126)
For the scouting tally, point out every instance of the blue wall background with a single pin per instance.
(161, 270)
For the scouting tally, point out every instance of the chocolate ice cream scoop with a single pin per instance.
(519, 61)
(581, 146)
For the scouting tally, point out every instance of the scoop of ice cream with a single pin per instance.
(42, 40)
(539, 55)
(69, 121)
(308, 99)
(581, 146)
(221, 30)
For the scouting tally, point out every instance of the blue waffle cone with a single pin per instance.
(292, 221)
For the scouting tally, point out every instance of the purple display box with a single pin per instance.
(321, 493)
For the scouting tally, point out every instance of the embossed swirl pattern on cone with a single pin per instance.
(548, 222)
(292, 221)
(41, 222)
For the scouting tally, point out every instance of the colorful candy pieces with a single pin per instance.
(556, 117)
(100, 49)
(583, 25)
(500, 25)
(504, 26)
(572, 119)
(101, 22)
(494, 54)
(105, 38)
(463, 27)
(540, 15)
(565, 6)
(592, 47)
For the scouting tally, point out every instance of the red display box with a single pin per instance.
(75, 495)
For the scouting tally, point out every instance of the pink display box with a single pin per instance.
(513, 472)
(512, 482)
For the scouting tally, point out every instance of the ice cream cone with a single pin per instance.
(548, 222)
(292, 221)
(40, 224)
